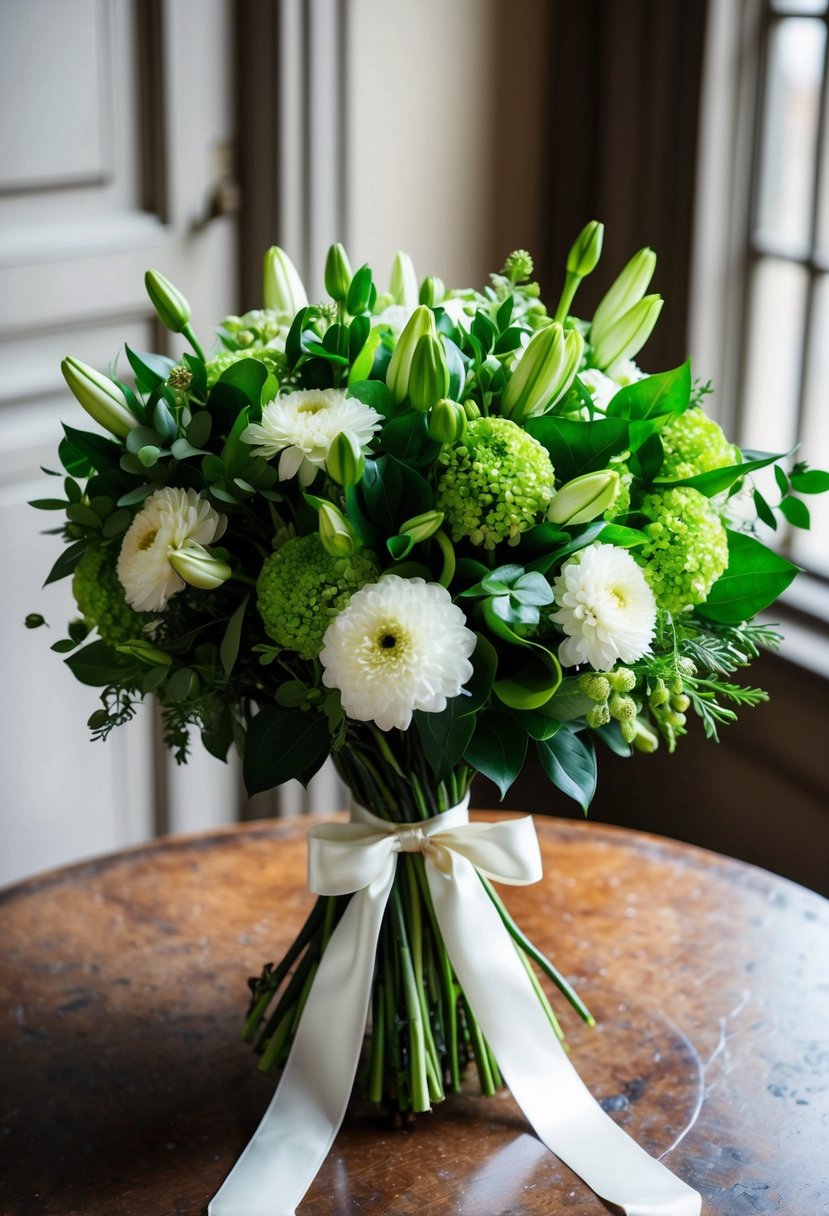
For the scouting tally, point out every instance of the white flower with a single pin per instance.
(168, 521)
(603, 388)
(605, 607)
(396, 316)
(303, 425)
(399, 644)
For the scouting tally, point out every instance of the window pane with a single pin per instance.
(800, 6)
(811, 549)
(777, 314)
(823, 170)
(790, 124)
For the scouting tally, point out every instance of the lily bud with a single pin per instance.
(421, 527)
(337, 273)
(198, 567)
(336, 533)
(447, 421)
(586, 250)
(145, 652)
(645, 739)
(629, 334)
(432, 291)
(627, 290)
(585, 498)
(361, 292)
(171, 306)
(429, 374)
(345, 462)
(403, 282)
(282, 288)
(543, 374)
(102, 400)
(420, 323)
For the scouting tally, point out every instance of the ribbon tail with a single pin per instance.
(544, 1083)
(298, 1128)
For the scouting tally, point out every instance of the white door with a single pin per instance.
(115, 124)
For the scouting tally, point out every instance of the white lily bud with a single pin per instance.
(282, 288)
(336, 533)
(198, 567)
(403, 284)
(102, 400)
(585, 498)
(627, 290)
(543, 374)
(629, 334)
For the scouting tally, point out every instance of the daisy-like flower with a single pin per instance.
(605, 607)
(170, 520)
(300, 428)
(400, 644)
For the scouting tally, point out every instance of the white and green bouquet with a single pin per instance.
(424, 533)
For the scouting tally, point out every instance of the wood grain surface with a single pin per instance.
(125, 1089)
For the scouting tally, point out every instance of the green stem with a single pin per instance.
(187, 333)
(417, 1047)
(280, 972)
(378, 1045)
(571, 284)
(448, 554)
(542, 995)
(449, 992)
(480, 1050)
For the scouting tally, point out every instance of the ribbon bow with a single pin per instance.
(298, 1128)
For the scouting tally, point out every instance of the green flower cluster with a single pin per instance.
(273, 360)
(302, 587)
(256, 328)
(495, 485)
(694, 443)
(687, 549)
(100, 597)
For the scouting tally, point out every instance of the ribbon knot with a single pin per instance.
(412, 839)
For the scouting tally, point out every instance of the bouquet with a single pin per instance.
(424, 533)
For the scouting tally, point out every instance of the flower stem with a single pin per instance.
(417, 1048)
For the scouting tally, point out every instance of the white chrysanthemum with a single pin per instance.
(605, 607)
(399, 644)
(396, 316)
(169, 519)
(303, 425)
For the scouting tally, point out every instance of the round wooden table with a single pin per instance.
(125, 1089)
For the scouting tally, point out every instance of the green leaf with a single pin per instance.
(229, 649)
(247, 375)
(198, 432)
(484, 662)
(444, 736)
(49, 504)
(537, 725)
(101, 453)
(754, 578)
(374, 393)
(457, 369)
(151, 371)
(568, 703)
(137, 495)
(497, 748)
(717, 480)
(579, 447)
(795, 511)
(611, 736)
(810, 481)
(781, 479)
(399, 546)
(79, 513)
(236, 454)
(98, 665)
(527, 680)
(581, 540)
(570, 764)
(67, 562)
(281, 744)
(665, 393)
(624, 538)
(764, 511)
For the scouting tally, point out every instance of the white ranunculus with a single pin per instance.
(399, 645)
(168, 521)
(606, 608)
(300, 428)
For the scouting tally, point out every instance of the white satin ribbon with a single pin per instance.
(298, 1128)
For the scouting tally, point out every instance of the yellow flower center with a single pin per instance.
(390, 645)
(148, 539)
(312, 407)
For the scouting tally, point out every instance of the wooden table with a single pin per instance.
(125, 1089)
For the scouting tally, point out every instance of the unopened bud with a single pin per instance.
(429, 374)
(282, 288)
(403, 283)
(596, 687)
(543, 373)
(420, 323)
(622, 679)
(628, 729)
(337, 273)
(447, 421)
(361, 292)
(627, 290)
(421, 527)
(659, 695)
(145, 653)
(198, 567)
(471, 409)
(518, 266)
(432, 291)
(621, 708)
(629, 334)
(102, 400)
(586, 250)
(645, 739)
(585, 498)
(345, 461)
(171, 306)
(598, 715)
(680, 703)
(336, 533)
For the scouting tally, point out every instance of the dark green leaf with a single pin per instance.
(48, 504)
(764, 511)
(444, 736)
(281, 744)
(484, 665)
(754, 578)
(67, 562)
(374, 393)
(810, 481)
(568, 703)
(570, 763)
(229, 649)
(716, 480)
(611, 736)
(796, 512)
(98, 665)
(79, 513)
(64, 646)
(101, 453)
(781, 479)
(150, 370)
(137, 495)
(497, 748)
(579, 447)
(248, 376)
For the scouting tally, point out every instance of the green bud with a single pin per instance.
(659, 695)
(680, 703)
(403, 283)
(337, 273)
(198, 567)
(675, 719)
(629, 334)
(471, 409)
(596, 687)
(180, 378)
(518, 266)
(361, 292)
(34, 620)
(102, 400)
(677, 686)
(543, 374)
(598, 715)
(432, 291)
(345, 461)
(622, 679)
(621, 708)
(336, 533)
(282, 288)
(429, 375)
(421, 527)
(171, 306)
(628, 729)
(586, 250)
(585, 498)
(145, 653)
(687, 666)
(627, 290)
(420, 323)
(645, 738)
(447, 421)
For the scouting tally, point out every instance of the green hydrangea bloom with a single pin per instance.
(622, 504)
(273, 360)
(694, 443)
(257, 327)
(301, 587)
(494, 485)
(687, 549)
(100, 597)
